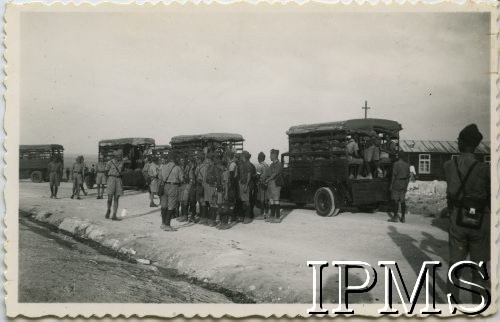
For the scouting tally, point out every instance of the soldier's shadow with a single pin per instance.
(156, 210)
(331, 288)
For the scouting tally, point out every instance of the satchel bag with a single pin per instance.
(470, 210)
(279, 180)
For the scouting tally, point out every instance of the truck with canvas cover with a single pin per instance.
(319, 170)
(219, 143)
(34, 160)
(134, 153)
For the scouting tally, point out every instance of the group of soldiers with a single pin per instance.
(214, 189)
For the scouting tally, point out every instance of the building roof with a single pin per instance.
(363, 126)
(427, 146)
(217, 137)
(40, 147)
(122, 141)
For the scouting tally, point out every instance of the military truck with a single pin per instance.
(214, 142)
(134, 151)
(34, 160)
(316, 168)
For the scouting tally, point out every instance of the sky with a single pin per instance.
(92, 76)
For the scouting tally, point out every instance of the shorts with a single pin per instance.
(170, 197)
(54, 179)
(398, 195)
(262, 193)
(77, 179)
(210, 194)
(200, 195)
(153, 185)
(273, 191)
(100, 178)
(185, 192)
(244, 196)
(466, 241)
(114, 186)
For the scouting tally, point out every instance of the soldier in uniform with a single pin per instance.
(228, 196)
(200, 172)
(262, 173)
(78, 168)
(192, 190)
(186, 187)
(245, 177)
(100, 179)
(145, 169)
(153, 171)
(55, 171)
(171, 175)
(399, 185)
(210, 183)
(274, 182)
(114, 169)
(468, 194)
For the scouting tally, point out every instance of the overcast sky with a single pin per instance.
(86, 77)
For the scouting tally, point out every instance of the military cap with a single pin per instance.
(246, 154)
(261, 156)
(274, 151)
(117, 153)
(470, 135)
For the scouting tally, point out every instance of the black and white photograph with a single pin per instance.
(195, 154)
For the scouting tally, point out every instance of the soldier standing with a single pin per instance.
(171, 175)
(200, 172)
(100, 179)
(114, 169)
(145, 169)
(153, 171)
(274, 182)
(262, 173)
(55, 171)
(245, 176)
(468, 194)
(210, 183)
(78, 168)
(398, 187)
(228, 194)
(186, 187)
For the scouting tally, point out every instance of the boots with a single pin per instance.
(108, 212)
(270, 216)
(212, 216)
(247, 210)
(224, 222)
(184, 213)
(395, 216)
(168, 218)
(163, 217)
(403, 212)
(203, 216)
(277, 214)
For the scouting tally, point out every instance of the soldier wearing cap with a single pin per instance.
(399, 185)
(274, 182)
(114, 169)
(186, 187)
(171, 174)
(153, 172)
(227, 195)
(245, 177)
(469, 198)
(55, 171)
(262, 173)
(100, 178)
(78, 169)
(211, 181)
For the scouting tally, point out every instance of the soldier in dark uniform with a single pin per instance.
(200, 172)
(274, 182)
(55, 171)
(245, 181)
(469, 198)
(211, 182)
(399, 186)
(186, 187)
(170, 174)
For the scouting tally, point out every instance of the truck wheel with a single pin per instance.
(36, 176)
(324, 202)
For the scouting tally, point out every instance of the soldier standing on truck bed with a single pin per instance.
(100, 178)
(55, 171)
(114, 169)
(274, 183)
(468, 194)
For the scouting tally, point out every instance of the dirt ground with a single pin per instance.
(264, 261)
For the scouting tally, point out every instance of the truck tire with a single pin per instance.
(36, 176)
(324, 202)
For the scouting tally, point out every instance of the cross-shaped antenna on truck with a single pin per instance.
(366, 108)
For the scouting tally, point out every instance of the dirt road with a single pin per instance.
(265, 261)
(55, 268)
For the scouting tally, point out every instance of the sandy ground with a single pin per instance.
(264, 261)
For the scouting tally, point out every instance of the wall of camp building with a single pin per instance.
(435, 169)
